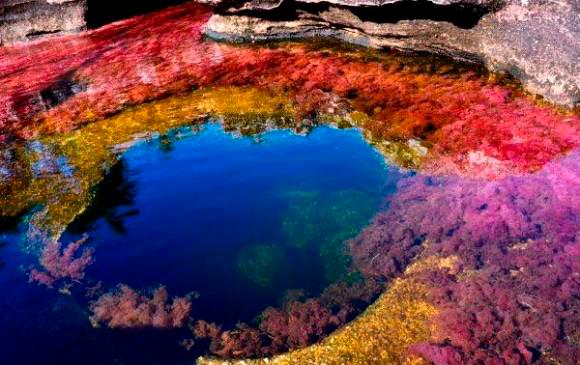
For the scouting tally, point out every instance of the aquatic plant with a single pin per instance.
(298, 322)
(325, 222)
(205, 329)
(126, 308)
(513, 292)
(263, 265)
(521, 308)
(243, 341)
(471, 125)
(62, 264)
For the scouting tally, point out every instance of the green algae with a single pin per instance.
(313, 222)
(263, 265)
(325, 222)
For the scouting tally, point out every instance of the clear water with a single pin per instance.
(238, 220)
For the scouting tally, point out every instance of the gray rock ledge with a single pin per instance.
(536, 41)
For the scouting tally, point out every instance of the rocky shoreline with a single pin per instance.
(24, 20)
(536, 41)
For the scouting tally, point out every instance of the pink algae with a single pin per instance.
(513, 296)
(58, 264)
(126, 308)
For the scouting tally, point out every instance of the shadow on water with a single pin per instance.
(101, 12)
(114, 197)
(462, 16)
(8, 225)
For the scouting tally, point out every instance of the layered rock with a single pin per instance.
(536, 41)
(22, 20)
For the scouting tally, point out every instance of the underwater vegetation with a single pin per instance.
(126, 308)
(263, 265)
(299, 322)
(327, 223)
(62, 264)
(476, 254)
(512, 294)
(523, 309)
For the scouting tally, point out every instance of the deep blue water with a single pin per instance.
(238, 220)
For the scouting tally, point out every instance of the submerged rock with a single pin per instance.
(536, 41)
(22, 20)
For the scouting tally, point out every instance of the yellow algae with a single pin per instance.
(89, 152)
(432, 263)
(241, 101)
(408, 154)
(400, 317)
(165, 114)
(381, 335)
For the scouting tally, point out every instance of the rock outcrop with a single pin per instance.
(22, 20)
(536, 41)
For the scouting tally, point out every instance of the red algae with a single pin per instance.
(514, 292)
(58, 264)
(503, 197)
(296, 324)
(125, 308)
(28, 70)
(471, 125)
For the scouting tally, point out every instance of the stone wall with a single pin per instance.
(22, 20)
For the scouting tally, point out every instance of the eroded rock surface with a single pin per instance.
(537, 41)
(22, 20)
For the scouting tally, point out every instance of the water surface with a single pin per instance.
(240, 221)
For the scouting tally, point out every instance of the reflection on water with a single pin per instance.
(119, 192)
(217, 219)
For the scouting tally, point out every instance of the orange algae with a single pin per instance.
(433, 121)
(471, 125)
